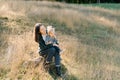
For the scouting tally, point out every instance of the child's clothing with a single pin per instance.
(51, 40)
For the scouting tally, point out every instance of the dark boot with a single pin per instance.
(46, 65)
(58, 71)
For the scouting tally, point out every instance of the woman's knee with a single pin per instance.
(52, 50)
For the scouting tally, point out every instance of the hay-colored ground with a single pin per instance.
(89, 36)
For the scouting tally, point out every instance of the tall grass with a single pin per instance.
(89, 37)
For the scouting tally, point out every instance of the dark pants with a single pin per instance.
(52, 52)
(57, 49)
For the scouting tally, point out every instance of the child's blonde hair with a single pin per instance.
(50, 28)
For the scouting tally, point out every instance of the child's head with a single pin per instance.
(51, 31)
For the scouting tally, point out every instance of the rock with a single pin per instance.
(32, 62)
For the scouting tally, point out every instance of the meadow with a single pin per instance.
(89, 36)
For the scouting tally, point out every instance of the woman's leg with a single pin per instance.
(57, 63)
(50, 53)
(57, 59)
(57, 49)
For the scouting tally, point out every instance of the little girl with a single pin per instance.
(51, 38)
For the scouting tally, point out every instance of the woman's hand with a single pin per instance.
(55, 45)
(49, 42)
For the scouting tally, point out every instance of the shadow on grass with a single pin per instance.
(64, 71)
(3, 72)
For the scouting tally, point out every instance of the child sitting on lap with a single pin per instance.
(51, 38)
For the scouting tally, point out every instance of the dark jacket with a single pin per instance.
(42, 44)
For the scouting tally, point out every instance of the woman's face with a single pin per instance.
(43, 30)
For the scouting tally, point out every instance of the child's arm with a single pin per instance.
(56, 43)
(49, 42)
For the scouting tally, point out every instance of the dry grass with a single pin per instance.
(89, 36)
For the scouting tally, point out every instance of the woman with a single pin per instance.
(49, 50)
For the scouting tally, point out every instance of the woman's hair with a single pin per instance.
(37, 31)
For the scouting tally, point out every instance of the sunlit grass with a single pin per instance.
(89, 37)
